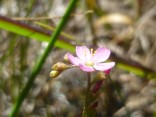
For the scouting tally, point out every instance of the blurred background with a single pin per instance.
(126, 27)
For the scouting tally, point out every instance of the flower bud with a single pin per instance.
(99, 77)
(94, 104)
(107, 71)
(66, 58)
(97, 86)
(54, 73)
(60, 67)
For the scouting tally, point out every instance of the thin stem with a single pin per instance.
(42, 59)
(87, 95)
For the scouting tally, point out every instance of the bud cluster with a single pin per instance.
(58, 68)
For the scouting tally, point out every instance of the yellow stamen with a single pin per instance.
(85, 52)
(92, 51)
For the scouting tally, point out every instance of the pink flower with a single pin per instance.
(90, 61)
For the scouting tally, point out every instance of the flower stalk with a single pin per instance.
(85, 109)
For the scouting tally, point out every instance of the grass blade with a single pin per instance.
(42, 59)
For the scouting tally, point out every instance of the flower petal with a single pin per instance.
(74, 60)
(104, 66)
(85, 68)
(83, 53)
(101, 55)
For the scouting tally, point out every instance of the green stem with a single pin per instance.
(84, 114)
(42, 59)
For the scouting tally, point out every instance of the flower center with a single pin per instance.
(89, 63)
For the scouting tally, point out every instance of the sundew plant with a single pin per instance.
(77, 58)
(88, 61)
